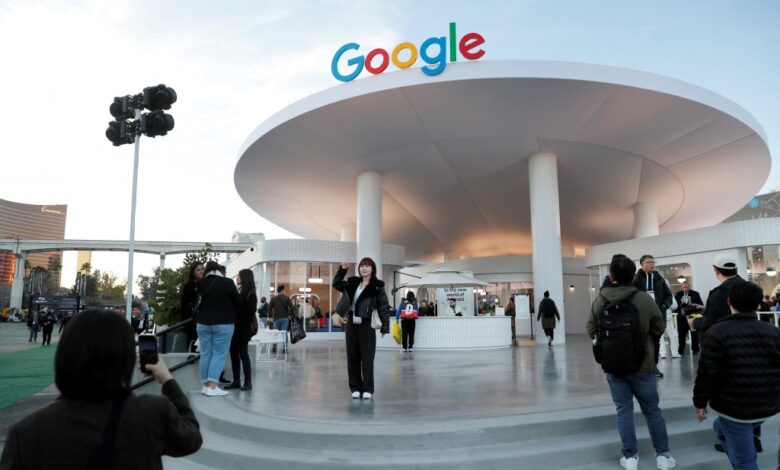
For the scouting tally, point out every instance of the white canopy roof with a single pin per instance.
(445, 278)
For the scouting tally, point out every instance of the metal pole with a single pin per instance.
(131, 247)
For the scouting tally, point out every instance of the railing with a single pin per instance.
(162, 336)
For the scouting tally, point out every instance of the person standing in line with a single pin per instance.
(739, 375)
(239, 345)
(651, 282)
(548, 312)
(216, 323)
(407, 314)
(361, 295)
(189, 296)
(32, 324)
(262, 312)
(47, 320)
(688, 302)
(641, 384)
(281, 308)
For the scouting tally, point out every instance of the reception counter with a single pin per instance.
(456, 333)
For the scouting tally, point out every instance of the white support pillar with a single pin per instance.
(645, 220)
(369, 218)
(17, 287)
(162, 260)
(348, 230)
(546, 237)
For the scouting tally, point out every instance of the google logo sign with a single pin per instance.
(377, 60)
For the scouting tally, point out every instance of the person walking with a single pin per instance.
(407, 314)
(361, 296)
(32, 324)
(239, 345)
(97, 422)
(46, 320)
(651, 282)
(281, 308)
(220, 303)
(548, 313)
(739, 375)
(632, 350)
(189, 297)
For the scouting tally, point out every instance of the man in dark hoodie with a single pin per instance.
(641, 384)
(650, 281)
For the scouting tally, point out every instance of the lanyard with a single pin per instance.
(649, 282)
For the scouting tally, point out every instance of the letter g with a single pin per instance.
(356, 62)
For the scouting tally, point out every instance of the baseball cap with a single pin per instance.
(725, 261)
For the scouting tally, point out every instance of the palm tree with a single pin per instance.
(86, 268)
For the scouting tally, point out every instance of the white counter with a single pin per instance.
(456, 333)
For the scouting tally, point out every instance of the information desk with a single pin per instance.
(456, 333)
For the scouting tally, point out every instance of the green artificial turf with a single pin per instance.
(24, 373)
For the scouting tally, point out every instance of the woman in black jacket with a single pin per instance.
(93, 369)
(361, 295)
(189, 294)
(216, 322)
(239, 346)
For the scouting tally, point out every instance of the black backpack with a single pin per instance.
(619, 346)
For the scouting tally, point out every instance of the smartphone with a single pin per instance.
(147, 350)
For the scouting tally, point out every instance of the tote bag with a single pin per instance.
(296, 330)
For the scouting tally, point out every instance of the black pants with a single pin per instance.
(656, 347)
(47, 330)
(361, 348)
(682, 332)
(407, 332)
(239, 350)
(550, 332)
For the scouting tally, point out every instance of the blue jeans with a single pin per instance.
(282, 324)
(737, 440)
(214, 345)
(643, 387)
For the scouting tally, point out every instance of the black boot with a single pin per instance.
(222, 378)
(247, 385)
(234, 384)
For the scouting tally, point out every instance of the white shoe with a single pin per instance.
(662, 356)
(676, 356)
(356, 395)
(402, 350)
(367, 396)
(665, 463)
(204, 390)
(216, 392)
(630, 463)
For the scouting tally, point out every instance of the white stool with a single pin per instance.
(266, 339)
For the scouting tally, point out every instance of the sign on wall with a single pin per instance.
(464, 298)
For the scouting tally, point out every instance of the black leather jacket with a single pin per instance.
(372, 297)
(739, 368)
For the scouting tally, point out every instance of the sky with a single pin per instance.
(235, 63)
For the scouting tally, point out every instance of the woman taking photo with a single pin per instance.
(239, 345)
(189, 295)
(97, 422)
(361, 295)
(219, 305)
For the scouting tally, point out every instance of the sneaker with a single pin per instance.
(676, 356)
(216, 392)
(402, 350)
(659, 374)
(663, 462)
(629, 463)
(367, 396)
(719, 447)
(356, 395)
(204, 390)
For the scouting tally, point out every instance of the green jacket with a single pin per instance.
(650, 320)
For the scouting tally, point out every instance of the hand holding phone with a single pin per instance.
(147, 351)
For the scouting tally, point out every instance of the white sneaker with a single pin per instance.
(676, 356)
(665, 463)
(356, 395)
(367, 396)
(216, 392)
(630, 463)
(402, 350)
(204, 390)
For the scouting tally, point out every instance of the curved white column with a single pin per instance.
(546, 237)
(369, 217)
(348, 230)
(645, 220)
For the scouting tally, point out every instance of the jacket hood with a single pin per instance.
(616, 294)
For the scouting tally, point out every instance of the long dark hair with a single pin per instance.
(368, 262)
(95, 356)
(191, 275)
(247, 283)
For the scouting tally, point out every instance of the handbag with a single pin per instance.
(296, 330)
(396, 332)
(376, 323)
(253, 326)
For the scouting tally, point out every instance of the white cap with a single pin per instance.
(725, 261)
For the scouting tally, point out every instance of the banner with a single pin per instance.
(464, 298)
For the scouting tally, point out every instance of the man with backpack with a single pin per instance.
(623, 322)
